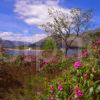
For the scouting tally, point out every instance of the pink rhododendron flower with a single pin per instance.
(97, 42)
(69, 98)
(85, 53)
(51, 97)
(33, 58)
(51, 87)
(45, 62)
(42, 62)
(60, 87)
(77, 64)
(78, 93)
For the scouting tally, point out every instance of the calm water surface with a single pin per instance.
(23, 52)
(36, 52)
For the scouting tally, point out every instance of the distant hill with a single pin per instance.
(92, 32)
(12, 44)
(38, 44)
(91, 35)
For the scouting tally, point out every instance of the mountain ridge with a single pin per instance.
(12, 44)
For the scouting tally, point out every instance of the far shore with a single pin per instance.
(24, 49)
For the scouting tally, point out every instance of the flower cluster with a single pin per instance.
(60, 87)
(42, 62)
(97, 42)
(84, 53)
(52, 89)
(52, 97)
(52, 92)
(77, 64)
(69, 98)
(78, 82)
(31, 59)
(78, 93)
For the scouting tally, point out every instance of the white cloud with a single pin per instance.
(21, 37)
(35, 11)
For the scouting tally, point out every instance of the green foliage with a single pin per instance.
(22, 47)
(94, 36)
(50, 44)
(86, 77)
(19, 82)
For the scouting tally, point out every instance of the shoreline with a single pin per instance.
(24, 49)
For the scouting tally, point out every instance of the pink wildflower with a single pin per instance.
(78, 93)
(52, 97)
(84, 53)
(77, 64)
(51, 87)
(45, 63)
(33, 58)
(97, 42)
(69, 98)
(60, 87)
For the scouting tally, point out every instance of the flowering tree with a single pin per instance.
(65, 25)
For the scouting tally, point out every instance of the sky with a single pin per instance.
(20, 19)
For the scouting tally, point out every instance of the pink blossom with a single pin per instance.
(42, 62)
(51, 97)
(60, 87)
(97, 42)
(69, 98)
(45, 62)
(51, 87)
(84, 53)
(33, 58)
(78, 93)
(77, 64)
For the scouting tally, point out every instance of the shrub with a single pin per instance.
(79, 81)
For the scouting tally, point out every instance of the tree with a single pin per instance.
(65, 25)
(49, 44)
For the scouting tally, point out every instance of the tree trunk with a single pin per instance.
(66, 51)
